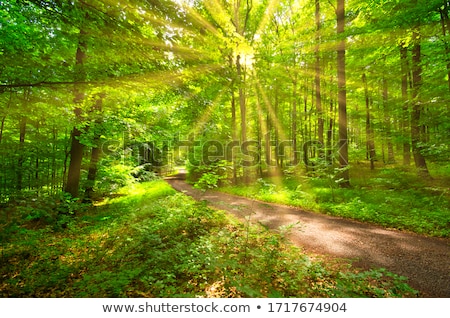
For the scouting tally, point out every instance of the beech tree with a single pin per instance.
(346, 82)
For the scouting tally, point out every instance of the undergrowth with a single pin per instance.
(149, 241)
(390, 197)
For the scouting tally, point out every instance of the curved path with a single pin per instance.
(424, 260)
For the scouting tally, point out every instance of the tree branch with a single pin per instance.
(38, 84)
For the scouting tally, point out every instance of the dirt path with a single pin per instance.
(425, 261)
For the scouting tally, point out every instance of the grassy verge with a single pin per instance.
(152, 242)
(390, 197)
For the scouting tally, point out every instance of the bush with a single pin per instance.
(211, 176)
(144, 173)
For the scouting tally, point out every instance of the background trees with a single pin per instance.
(82, 83)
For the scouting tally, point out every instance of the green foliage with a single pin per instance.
(144, 173)
(210, 176)
(392, 197)
(153, 242)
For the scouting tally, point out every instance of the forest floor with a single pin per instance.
(425, 261)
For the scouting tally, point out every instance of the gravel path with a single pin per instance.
(424, 260)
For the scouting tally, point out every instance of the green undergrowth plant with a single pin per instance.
(392, 198)
(149, 241)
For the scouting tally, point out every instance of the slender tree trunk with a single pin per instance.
(305, 125)
(445, 23)
(21, 160)
(405, 109)
(233, 134)
(294, 123)
(76, 149)
(242, 108)
(259, 128)
(95, 153)
(342, 96)
(416, 125)
(277, 133)
(233, 121)
(36, 162)
(329, 154)
(320, 119)
(2, 126)
(268, 142)
(54, 151)
(369, 130)
(387, 122)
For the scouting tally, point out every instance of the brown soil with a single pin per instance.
(424, 260)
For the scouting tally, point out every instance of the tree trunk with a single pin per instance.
(95, 153)
(268, 142)
(233, 122)
(2, 126)
(388, 124)
(369, 130)
(36, 162)
(329, 153)
(277, 133)
(416, 125)
(445, 23)
(76, 149)
(21, 160)
(320, 120)
(405, 108)
(242, 108)
(294, 123)
(342, 96)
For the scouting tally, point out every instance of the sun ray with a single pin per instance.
(221, 17)
(271, 111)
(270, 10)
(202, 21)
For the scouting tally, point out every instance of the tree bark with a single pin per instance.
(233, 120)
(342, 96)
(445, 23)
(242, 105)
(388, 124)
(95, 153)
(21, 160)
(76, 149)
(370, 138)
(416, 125)
(242, 108)
(2, 126)
(294, 123)
(405, 109)
(320, 120)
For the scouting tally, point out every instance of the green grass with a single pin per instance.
(391, 198)
(149, 241)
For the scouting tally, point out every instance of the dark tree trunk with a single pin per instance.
(76, 149)
(445, 23)
(416, 125)
(369, 130)
(342, 96)
(21, 160)
(2, 126)
(95, 153)
(405, 109)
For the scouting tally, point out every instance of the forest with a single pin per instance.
(337, 107)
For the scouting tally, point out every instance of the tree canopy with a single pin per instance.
(263, 86)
